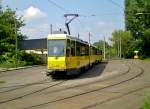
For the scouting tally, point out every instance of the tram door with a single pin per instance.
(70, 54)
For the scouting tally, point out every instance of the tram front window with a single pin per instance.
(56, 48)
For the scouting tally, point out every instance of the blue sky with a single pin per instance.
(39, 14)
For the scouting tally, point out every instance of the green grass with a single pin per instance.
(2, 82)
(146, 104)
(147, 59)
(6, 65)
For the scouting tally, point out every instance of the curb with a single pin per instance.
(18, 68)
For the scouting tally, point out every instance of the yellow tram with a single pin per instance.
(69, 55)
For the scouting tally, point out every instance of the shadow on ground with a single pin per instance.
(94, 71)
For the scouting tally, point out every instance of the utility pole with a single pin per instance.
(120, 47)
(89, 37)
(104, 49)
(89, 48)
(51, 28)
(78, 35)
(16, 51)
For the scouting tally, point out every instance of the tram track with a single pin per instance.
(16, 87)
(84, 93)
(57, 90)
(33, 92)
(118, 97)
(20, 75)
(89, 83)
(88, 92)
(13, 72)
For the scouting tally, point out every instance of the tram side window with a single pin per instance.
(82, 50)
(94, 51)
(86, 50)
(90, 50)
(99, 52)
(77, 48)
(72, 48)
(68, 48)
(67, 52)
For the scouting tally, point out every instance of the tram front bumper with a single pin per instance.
(54, 71)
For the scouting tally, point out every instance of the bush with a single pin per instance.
(2, 59)
(11, 64)
(129, 55)
(8, 59)
(5, 57)
(30, 59)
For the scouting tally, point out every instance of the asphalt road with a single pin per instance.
(117, 84)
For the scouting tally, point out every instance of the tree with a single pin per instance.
(133, 21)
(137, 20)
(146, 42)
(8, 20)
(10, 25)
(100, 44)
(123, 39)
(109, 50)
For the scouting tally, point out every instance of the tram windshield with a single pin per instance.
(56, 48)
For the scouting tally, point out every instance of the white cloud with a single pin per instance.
(40, 30)
(97, 29)
(35, 32)
(101, 23)
(32, 13)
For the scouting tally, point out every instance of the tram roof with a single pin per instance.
(65, 36)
